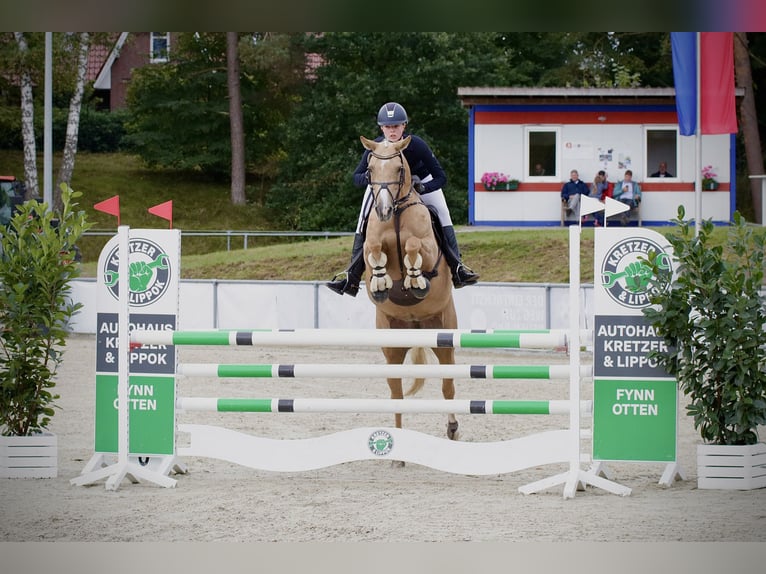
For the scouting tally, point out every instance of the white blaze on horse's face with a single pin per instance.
(389, 174)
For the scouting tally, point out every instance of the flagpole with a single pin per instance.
(698, 142)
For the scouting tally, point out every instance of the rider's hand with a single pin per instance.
(418, 185)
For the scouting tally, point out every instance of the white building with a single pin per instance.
(512, 130)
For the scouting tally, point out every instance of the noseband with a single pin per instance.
(385, 184)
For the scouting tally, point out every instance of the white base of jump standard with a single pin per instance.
(375, 443)
(154, 469)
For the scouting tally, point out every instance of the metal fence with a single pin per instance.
(245, 235)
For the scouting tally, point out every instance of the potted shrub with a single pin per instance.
(712, 319)
(37, 263)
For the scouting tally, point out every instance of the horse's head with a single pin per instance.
(389, 174)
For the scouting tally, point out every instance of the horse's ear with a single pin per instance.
(402, 144)
(369, 144)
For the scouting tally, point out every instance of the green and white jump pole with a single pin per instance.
(389, 406)
(433, 338)
(360, 371)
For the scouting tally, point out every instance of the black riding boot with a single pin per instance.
(462, 275)
(348, 281)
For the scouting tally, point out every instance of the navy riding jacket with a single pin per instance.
(422, 163)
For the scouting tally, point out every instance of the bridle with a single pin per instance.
(397, 201)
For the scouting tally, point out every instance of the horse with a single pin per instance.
(409, 280)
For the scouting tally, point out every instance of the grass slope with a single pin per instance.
(538, 255)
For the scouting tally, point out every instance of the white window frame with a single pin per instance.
(154, 58)
(648, 167)
(554, 177)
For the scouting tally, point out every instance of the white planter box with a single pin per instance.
(29, 456)
(731, 467)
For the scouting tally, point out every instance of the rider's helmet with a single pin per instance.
(392, 114)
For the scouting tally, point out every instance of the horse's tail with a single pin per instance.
(418, 356)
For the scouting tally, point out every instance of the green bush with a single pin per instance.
(37, 263)
(10, 127)
(711, 317)
(99, 132)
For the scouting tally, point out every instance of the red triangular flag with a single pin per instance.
(110, 206)
(164, 210)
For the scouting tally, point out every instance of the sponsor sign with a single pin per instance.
(154, 275)
(635, 401)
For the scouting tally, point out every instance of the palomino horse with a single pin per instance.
(409, 279)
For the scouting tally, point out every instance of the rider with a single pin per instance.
(428, 177)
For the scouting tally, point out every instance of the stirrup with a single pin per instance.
(463, 276)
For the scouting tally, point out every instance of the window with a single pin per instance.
(661, 148)
(159, 47)
(542, 152)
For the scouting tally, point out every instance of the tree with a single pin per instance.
(178, 115)
(589, 59)
(26, 59)
(749, 119)
(358, 73)
(179, 110)
(73, 121)
(27, 117)
(235, 120)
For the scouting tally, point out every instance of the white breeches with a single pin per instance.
(434, 199)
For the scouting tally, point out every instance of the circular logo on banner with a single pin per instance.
(625, 277)
(380, 442)
(149, 272)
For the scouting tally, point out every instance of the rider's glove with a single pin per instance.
(418, 185)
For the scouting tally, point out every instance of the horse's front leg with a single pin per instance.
(413, 264)
(380, 280)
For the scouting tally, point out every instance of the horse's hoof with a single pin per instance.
(452, 433)
(397, 464)
(420, 293)
(380, 296)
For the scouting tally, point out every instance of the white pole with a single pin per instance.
(761, 179)
(698, 145)
(574, 354)
(123, 351)
(48, 123)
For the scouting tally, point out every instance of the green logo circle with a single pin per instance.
(625, 277)
(380, 442)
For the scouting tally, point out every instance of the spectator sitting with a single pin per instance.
(663, 171)
(539, 170)
(601, 188)
(628, 192)
(571, 192)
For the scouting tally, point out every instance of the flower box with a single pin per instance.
(731, 467)
(34, 456)
(505, 186)
(497, 181)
